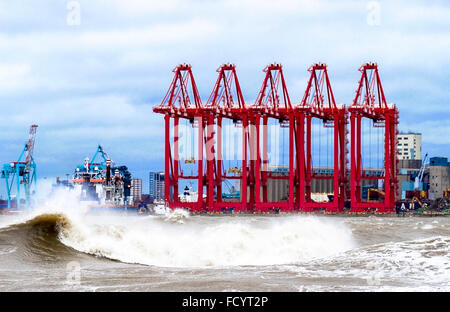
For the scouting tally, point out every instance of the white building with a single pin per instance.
(136, 189)
(409, 146)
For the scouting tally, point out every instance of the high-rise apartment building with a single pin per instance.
(156, 185)
(136, 189)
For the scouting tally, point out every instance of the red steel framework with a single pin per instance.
(182, 101)
(272, 102)
(370, 103)
(225, 101)
(318, 102)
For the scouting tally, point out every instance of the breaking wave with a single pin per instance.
(36, 238)
(177, 240)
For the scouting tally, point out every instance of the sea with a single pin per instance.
(59, 245)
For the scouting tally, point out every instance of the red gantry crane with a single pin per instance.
(370, 102)
(318, 102)
(272, 102)
(226, 101)
(182, 101)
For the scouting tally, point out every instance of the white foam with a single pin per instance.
(210, 241)
(411, 265)
(179, 240)
(176, 216)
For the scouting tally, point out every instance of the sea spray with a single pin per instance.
(177, 239)
(207, 241)
(176, 216)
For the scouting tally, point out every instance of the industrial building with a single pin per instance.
(409, 146)
(410, 163)
(136, 189)
(434, 180)
(439, 176)
(156, 186)
(321, 189)
(415, 173)
(409, 170)
(424, 179)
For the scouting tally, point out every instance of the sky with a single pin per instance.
(89, 72)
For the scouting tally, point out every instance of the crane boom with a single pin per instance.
(420, 174)
(30, 145)
(102, 153)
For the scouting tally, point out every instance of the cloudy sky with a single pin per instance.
(88, 72)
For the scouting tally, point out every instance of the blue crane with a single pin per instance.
(92, 165)
(21, 172)
(233, 192)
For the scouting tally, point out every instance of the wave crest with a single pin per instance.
(171, 241)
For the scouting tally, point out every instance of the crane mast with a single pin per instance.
(30, 146)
